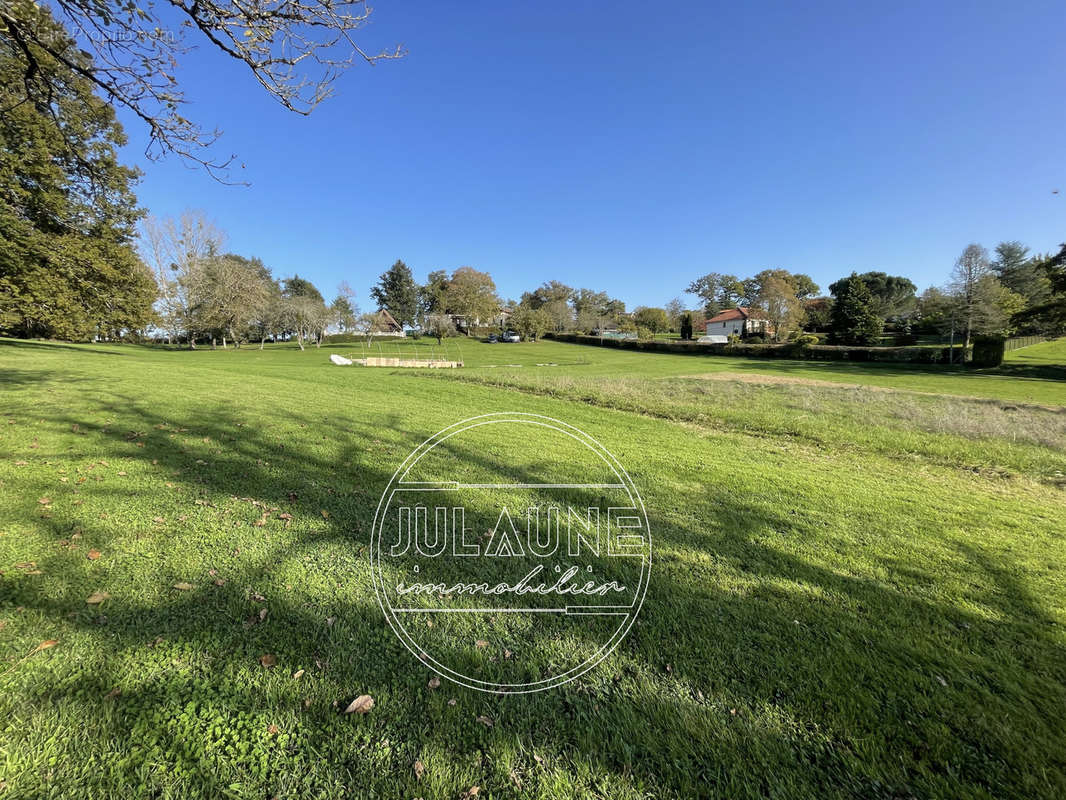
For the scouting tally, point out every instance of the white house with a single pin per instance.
(740, 321)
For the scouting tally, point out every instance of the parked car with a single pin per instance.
(493, 338)
(511, 336)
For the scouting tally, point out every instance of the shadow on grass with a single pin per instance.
(808, 682)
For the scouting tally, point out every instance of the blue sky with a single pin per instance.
(631, 147)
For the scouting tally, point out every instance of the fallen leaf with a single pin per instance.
(183, 586)
(941, 681)
(273, 730)
(121, 472)
(360, 705)
(420, 769)
(96, 598)
(114, 692)
(434, 682)
(325, 514)
(93, 554)
(262, 614)
(471, 792)
(45, 645)
(44, 500)
(268, 660)
(452, 702)
(486, 721)
(158, 519)
(219, 582)
(481, 643)
(330, 621)
(297, 675)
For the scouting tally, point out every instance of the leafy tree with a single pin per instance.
(67, 209)
(301, 287)
(438, 326)
(294, 50)
(654, 319)
(852, 319)
(934, 311)
(778, 303)
(546, 293)
(893, 296)
(432, 295)
(718, 291)
(531, 323)
(343, 311)
(994, 306)
(816, 312)
(802, 286)
(472, 294)
(226, 293)
(1027, 276)
(397, 291)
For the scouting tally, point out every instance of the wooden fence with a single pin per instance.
(1019, 342)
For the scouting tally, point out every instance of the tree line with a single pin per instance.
(79, 258)
(1010, 292)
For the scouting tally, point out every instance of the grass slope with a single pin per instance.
(854, 592)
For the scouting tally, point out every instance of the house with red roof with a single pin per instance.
(740, 321)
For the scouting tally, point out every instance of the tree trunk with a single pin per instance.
(300, 340)
(223, 341)
(214, 343)
(262, 340)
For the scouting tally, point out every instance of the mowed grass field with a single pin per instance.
(857, 585)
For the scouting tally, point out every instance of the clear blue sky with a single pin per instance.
(631, 147)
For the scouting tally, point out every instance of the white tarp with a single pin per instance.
(713, 339)
(340, 361)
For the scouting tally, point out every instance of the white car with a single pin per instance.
(511, 336)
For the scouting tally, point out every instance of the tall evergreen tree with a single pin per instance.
(67, 209)
(397, 291)
(852, 319)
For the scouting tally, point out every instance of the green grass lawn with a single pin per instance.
(856, 590)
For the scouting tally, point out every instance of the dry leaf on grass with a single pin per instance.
(268, 660)
(420, 769)
(360, 705)
(273, 730)
(486, 721)
(96, 598)
(44, 645)
(471, 792)
(114, 693)
(434, 682)
(481, 643)
(183, 586)
(93, 554)
(297, 675)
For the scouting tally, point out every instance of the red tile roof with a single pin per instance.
(730, 314)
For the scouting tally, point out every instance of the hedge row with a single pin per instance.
(818, 352)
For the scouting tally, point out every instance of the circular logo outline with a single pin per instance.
(379, 519)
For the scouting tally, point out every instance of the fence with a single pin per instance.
(1019, 342)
